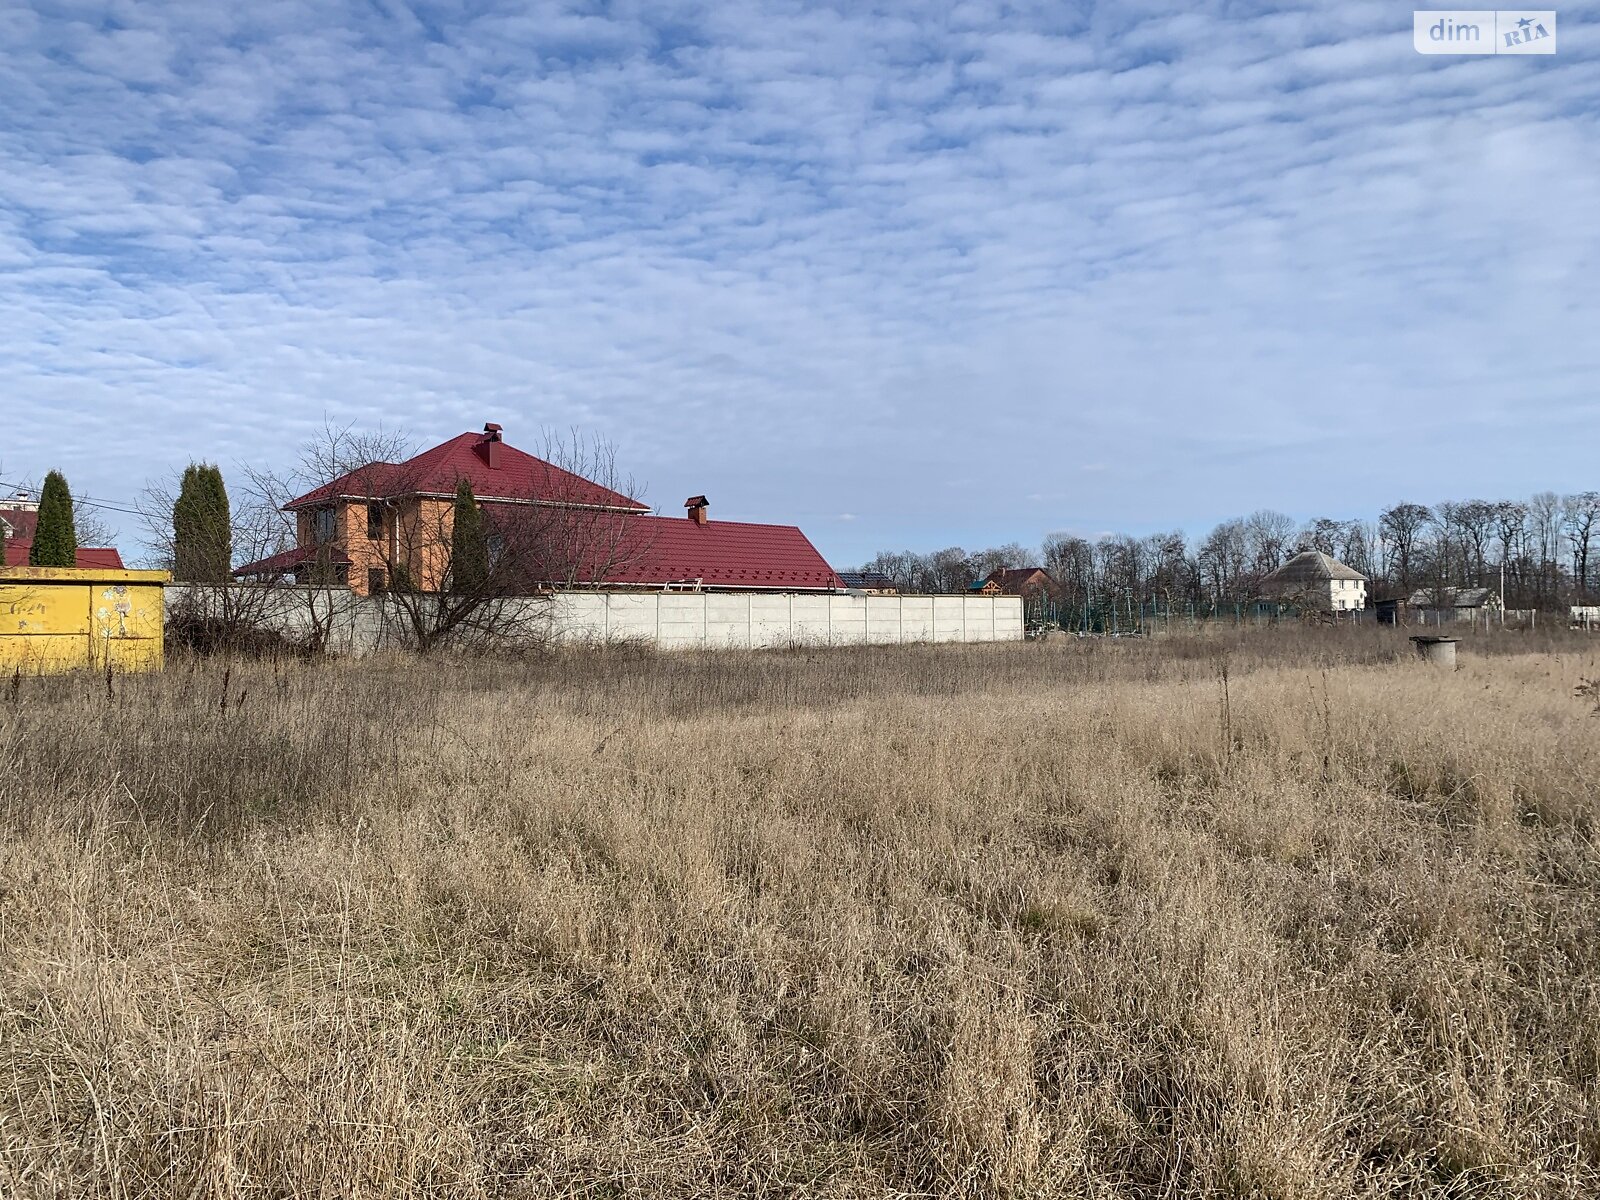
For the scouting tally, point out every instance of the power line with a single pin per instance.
(88, 501)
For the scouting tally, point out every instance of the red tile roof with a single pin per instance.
(104, 558)
(653, 551)
(723, 554)
(518, 476)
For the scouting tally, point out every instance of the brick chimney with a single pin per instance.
(697, 506)
(491, 448)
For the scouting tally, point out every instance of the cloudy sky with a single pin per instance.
(907, 274)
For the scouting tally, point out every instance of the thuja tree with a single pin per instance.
(55, 536)
(202, 528)
(469, 544)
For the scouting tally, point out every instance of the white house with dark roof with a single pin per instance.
(1316, 580)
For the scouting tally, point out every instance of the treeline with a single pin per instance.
(1545, 546)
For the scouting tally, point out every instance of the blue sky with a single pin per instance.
(905, 274)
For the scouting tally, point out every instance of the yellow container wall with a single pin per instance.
(42, 609)
(60, 620)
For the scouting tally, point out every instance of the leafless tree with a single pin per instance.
(1510, 528)
(950, 570)
(1544, 528)
(556, 541)
(320, 601)
(1473, 521)
(1070, 561)
(1402, 527)
(222, 615)
(1580, 515)
(1001, 558)
(906, 568)
(1269, 536)
(1224, 558)
(1322, 534)
(1357, 547)
(1172, 573)
(398, 526)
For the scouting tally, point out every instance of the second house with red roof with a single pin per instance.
(373, 524)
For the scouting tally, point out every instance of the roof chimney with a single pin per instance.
(490, 447)
(697, 506)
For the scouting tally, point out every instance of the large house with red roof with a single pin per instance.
(19, 516)
(371, 524)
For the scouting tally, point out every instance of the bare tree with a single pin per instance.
(1001, 558)
(1357, 547)
(1510, 521)
(950, 570)
(1070, 561)
(906, 568)
(1224, 559)
(1172, 575)
(1544, 528)
(1269, 536)
(366, 516)
(219, 614)
(1323, 535)
(1402, 527)
(308, 543)
(1580, 514)
(556, 540)
(1474, 522)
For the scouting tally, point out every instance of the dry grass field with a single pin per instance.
(1030, 920)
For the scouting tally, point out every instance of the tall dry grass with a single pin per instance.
(988, 921)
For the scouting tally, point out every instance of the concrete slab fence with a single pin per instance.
(670, 620)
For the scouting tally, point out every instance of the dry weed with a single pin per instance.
(1002, 921)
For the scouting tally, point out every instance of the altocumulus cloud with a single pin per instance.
(962, 270)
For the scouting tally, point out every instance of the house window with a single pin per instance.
(375, 580)
(323, 524)
(374, 520)
(497, 547)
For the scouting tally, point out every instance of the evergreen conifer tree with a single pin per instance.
(469, 545)
(55, 537)
(202, 541)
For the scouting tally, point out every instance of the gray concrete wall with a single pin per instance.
(351, 624)
(750, 620)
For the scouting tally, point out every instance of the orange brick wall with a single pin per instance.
(416, 536)
(425, 527)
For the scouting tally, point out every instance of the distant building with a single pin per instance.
(873, 583)
(1392, 610)
(1022, 581)
(1435, 606)
(1317, 581)
(398, 517)
(19, 515)
(1036, 586)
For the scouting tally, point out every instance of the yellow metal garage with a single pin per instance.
(70, 618)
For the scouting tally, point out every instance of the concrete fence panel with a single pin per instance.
(352, 624)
